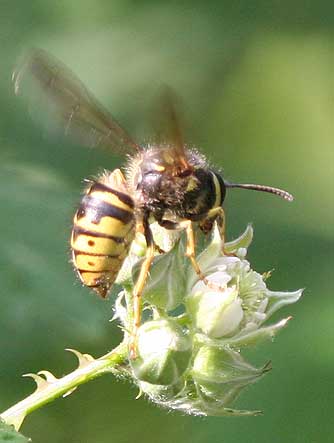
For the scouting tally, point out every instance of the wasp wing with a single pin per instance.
(169, 127)
(66, 105)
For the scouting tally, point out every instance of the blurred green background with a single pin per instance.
(257, 82)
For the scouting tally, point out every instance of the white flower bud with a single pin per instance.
(164, 351)
(216, 313)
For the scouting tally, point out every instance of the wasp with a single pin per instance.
(166, 182)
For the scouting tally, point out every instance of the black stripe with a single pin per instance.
(98, 208)
(98, 186)
(81, 231)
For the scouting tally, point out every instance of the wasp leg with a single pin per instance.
(216, 215)
(190, 253)
(158, 249)
(139, 286)
(140, 228)
(190, 249)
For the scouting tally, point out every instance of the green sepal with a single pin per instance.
(242, 242)
(221, 373)
(247, 337)
(165, 286)
(276, 300)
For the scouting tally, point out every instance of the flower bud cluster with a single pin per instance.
(189, 347)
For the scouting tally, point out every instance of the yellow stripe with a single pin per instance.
(107, 225)
(217, 190)
(96, 263)
(96, 245)
(110, 198)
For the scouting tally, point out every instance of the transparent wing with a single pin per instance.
(60, 100)
(168, 125)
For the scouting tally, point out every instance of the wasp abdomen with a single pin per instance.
(104, 227)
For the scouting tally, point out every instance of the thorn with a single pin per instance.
(50, 378)
(84, 359)
(40, 381)
(69, 392)
(89, 357)
(140, 393)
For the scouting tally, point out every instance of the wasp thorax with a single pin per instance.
(166, 183)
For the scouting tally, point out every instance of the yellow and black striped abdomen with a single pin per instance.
(104, 227)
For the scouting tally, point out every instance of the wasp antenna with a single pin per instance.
(263, 188)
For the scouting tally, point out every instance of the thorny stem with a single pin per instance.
(53, 388)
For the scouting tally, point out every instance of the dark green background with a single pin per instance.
(257, 82)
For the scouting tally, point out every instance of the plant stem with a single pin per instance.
(50, 387)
